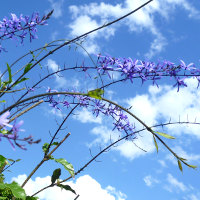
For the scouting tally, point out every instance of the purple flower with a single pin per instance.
(19, 27)
(16, 127)
(4, 121)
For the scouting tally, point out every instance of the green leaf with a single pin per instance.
(3, 198)
(17, 191)
(9, 72)
(66, 187)
(3, 160)
(11, 160)
(180, 166)
(27, 68)
(164, 135)
(2, 101)
(31, 198)
(67, 166)
(155, 143)
(183, 159)
(192, 166)
(22, 80)
(46, 145)
(4, 132)
(56, 175)
(17, 160)
(96, 93)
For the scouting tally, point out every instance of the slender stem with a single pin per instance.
(33, 172)
(109, 146)
(26, 110)
(83, 35)
(47, 151)
(12, 91)
(47, 157)
(40, 95)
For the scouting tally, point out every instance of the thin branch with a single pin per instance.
(47, 157)
(26, 110)
(47, 151)
(81, 36)
(108, 147)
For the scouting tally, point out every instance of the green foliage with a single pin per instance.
(66, 187)
(6, 194)
(1, 178)
(180, 166)
(164, 135)
(31, 198)
(27, 68)
(4, 132)
(21, 80)
(56, 175)
(68, 166)
(96, 93)
(13, 189)
(10, 75)
(156, 145)
(46, 146)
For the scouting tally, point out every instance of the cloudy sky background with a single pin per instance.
(167, 29)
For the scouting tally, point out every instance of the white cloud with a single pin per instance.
(128, 149)
(104, 135)
(149, 180)
(84, 24)
(159, 103)
(162, 163)
(180, 152)
(60, 80)
(87, 187)
(174, 185)
(118, 194)
(137, 147)
(88, 17)
(166, 103)
(56, 112)
(86, 116)
(192, 11)
(192, 197)
(57, 6)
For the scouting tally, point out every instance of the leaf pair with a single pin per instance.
(55, 176)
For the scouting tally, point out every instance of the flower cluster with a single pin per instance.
(18, 27)
(121, 121)
(12, 135)
(146, 70)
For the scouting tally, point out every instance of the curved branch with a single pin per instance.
(111, 145)
(81, 36)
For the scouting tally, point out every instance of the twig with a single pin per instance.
(47, 157)
(24, 111)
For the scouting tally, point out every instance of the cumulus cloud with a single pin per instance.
(128, 149)
(190, 157)
(150, 181)
(60, 80)
(159, 104)
(165, 103)
(87, 187)
(174, 185)
(53, 66)
(90, 16)
(57, 6)
(85, 116)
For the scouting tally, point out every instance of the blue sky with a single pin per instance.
(167, 29)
